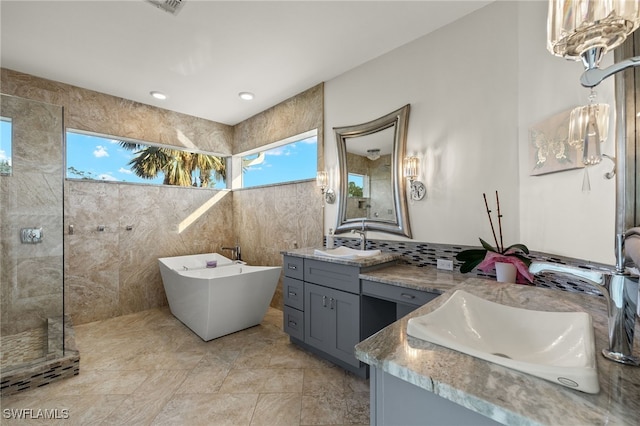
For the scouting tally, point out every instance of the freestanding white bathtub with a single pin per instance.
(217, 301)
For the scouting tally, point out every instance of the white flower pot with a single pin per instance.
(506, 272)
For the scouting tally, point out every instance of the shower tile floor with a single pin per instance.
(147, 368)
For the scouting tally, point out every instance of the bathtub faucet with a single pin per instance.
(235, 252)
(621, 292)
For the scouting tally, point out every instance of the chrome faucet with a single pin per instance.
(236, 254)
(363, 236)
(621, 292)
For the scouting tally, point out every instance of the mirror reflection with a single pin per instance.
(369, 183)
(372, 189)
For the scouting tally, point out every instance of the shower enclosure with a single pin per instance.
(32, 322)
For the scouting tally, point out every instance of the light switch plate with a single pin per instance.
(31, 235)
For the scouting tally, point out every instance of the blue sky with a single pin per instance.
(295, 161)
(101, 158)
(104, 159)
(5, 140)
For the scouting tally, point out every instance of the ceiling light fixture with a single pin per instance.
(373, 154)
(158, 95)
(246, 96)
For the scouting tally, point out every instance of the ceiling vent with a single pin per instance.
(170, 6)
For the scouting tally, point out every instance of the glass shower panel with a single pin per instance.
(31, 227)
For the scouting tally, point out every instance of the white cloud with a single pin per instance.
(100, 151)
(106, 176)
(125, 171)
(278, 151)
(114, 141)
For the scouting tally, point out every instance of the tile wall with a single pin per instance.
(114, 272)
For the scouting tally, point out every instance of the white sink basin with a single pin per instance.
(556, 346)
(346, 253)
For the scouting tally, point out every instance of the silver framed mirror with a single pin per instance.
(372, 188)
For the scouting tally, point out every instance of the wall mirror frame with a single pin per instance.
(628, 138)
(357, 138)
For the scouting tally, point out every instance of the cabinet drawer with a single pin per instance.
(293, 267)
(340, 277)
(294, 322)
(293, 293)
(394, 293)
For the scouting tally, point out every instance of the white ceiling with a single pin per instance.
(211, 50)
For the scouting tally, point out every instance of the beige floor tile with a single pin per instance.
(319, 381)
(204, 380)
(277, 409)
(220, 358)
(101, 382)
(148, 368)
(324, 409)
(354, 383)
(148, 400)
(261, 380)
(357, 408)
(289, 355)
(67, 409)
(208, 409)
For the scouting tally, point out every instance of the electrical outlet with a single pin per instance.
(444, 264)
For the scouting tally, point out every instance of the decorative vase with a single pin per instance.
(506, 272)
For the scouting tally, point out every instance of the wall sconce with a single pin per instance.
(586, 29)
(588, 128)
(410, 170)
(322, 180)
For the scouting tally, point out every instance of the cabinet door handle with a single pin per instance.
(292, 293)
(294, 267)
(331, 300)
(407, 296)
(292, 323)
(324, 301)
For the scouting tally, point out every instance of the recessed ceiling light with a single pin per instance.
(158, 95)
(246, 96)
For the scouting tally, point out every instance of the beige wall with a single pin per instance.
(273, 218)
(115, 272)
(110, 115)
(31, 197)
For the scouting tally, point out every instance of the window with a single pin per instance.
(358, 185)
(292, 159)
(97, 157)
(5, 146)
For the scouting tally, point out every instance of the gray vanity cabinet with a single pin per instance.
(293, 287)
(332, 321)
(328, 309)
(322, 309)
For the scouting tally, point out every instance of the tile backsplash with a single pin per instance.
(426, 254)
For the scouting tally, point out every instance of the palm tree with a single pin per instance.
(177, 166)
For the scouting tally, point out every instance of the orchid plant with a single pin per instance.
(485, 258)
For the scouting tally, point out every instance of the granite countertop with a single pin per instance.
(502, 394)
(418, 278)
(363, 262)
